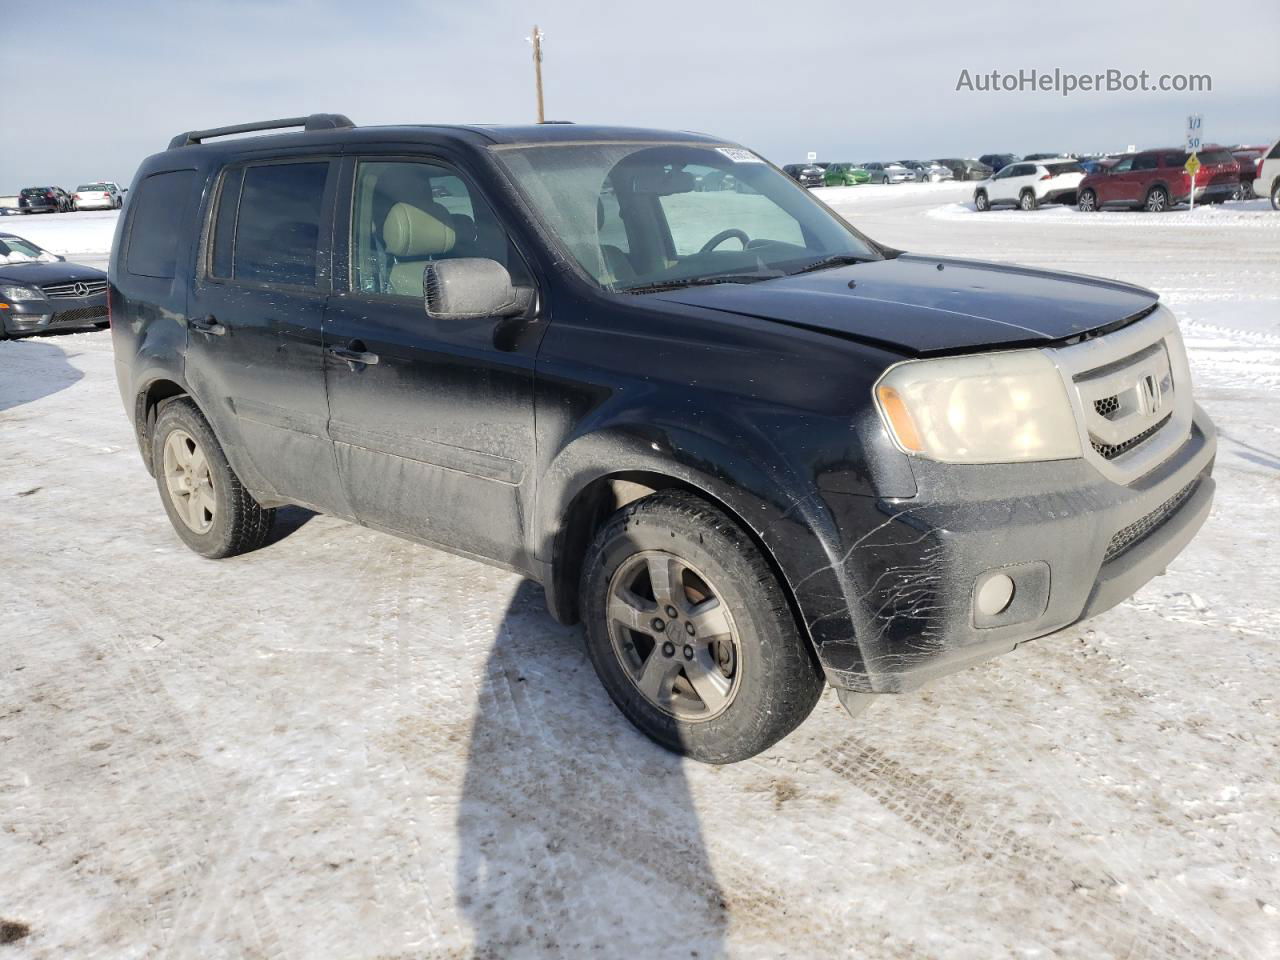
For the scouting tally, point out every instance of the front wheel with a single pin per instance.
(1275, 195)
(691, 633)
(1087, 202)
(980, 201)
(213, 514)
(1157, 200)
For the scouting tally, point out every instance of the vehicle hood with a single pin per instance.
(37, 274)
(922, 305)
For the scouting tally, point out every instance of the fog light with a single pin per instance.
(994, 595)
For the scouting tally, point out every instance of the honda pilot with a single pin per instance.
(753, 451)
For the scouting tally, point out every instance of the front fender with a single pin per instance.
(787, 514)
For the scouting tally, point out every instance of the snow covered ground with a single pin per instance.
(346, 745)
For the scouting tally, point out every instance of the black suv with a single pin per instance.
(751, 449)
(44, 200)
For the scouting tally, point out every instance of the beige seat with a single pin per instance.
(413, 237)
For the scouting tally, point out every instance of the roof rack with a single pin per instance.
(316, 121)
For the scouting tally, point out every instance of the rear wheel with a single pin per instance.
(691, 633)
(980, 201)
(1087, 201)
(1027, 200)
(1157, 200)
(208, 507)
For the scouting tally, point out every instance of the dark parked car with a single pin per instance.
(40, 291)
(807, 174)
(43, 200)
(967, 169)
(1033, 157)
(740, 441)
(998, 161)
(1155, 180)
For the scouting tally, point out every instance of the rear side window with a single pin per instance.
(268, 223)
(1211, 158)
(159, 211)
(1057, 169)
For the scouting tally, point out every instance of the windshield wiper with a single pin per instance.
(836, 260)
(700, 282)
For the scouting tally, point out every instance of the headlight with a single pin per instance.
(987, 408)
(21, 293)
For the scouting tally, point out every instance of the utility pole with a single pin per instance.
(536, 40)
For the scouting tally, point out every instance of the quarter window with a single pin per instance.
(158, 212)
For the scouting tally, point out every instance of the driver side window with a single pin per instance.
(1124, 166)
(407, 214)
(722, 202)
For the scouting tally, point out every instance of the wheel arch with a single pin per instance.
(148, 401)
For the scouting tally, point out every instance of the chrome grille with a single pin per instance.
(78, 288)
(1130, 389)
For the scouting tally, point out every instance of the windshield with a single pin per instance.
(17, 250)
(643, 215)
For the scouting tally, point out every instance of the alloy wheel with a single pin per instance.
(189, 481)
(674, 636)
(1157, 200)
(1087, 201)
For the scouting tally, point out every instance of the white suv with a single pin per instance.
(1267, 183)
(1027, 185)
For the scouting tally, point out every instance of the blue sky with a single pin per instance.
(849, 80)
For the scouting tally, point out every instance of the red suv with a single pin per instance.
(1155, 180)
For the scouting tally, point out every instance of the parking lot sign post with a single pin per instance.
(1192, 167)
(1195, 139)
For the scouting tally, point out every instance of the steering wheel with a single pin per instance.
(722, 236)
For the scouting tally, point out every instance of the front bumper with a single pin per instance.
(1074, 543)
(55, 313)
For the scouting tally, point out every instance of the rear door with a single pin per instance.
(256, 309)
(433, 422)
(1112, 188)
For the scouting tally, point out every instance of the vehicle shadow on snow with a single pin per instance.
(576, 834)
(32, 369)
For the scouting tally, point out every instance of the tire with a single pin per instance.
(1087, 202)
(760, 678)
(1027, 201)
(1157, 200)
(231, 521)
(1275, 194)
(980, 201)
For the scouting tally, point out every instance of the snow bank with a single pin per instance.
(1252, 214)
(89, 232)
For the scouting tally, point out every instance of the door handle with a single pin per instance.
(353, 354)
(207, 324)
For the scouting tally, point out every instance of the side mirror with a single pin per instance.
(470, 288)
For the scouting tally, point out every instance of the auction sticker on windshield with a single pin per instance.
(738, 155)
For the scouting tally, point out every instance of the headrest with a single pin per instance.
(410, 232)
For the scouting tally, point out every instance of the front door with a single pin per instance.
(432, 420)
(256, 318)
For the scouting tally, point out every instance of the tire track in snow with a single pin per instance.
(955, 822)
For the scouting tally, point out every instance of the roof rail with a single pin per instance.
(316, 121)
